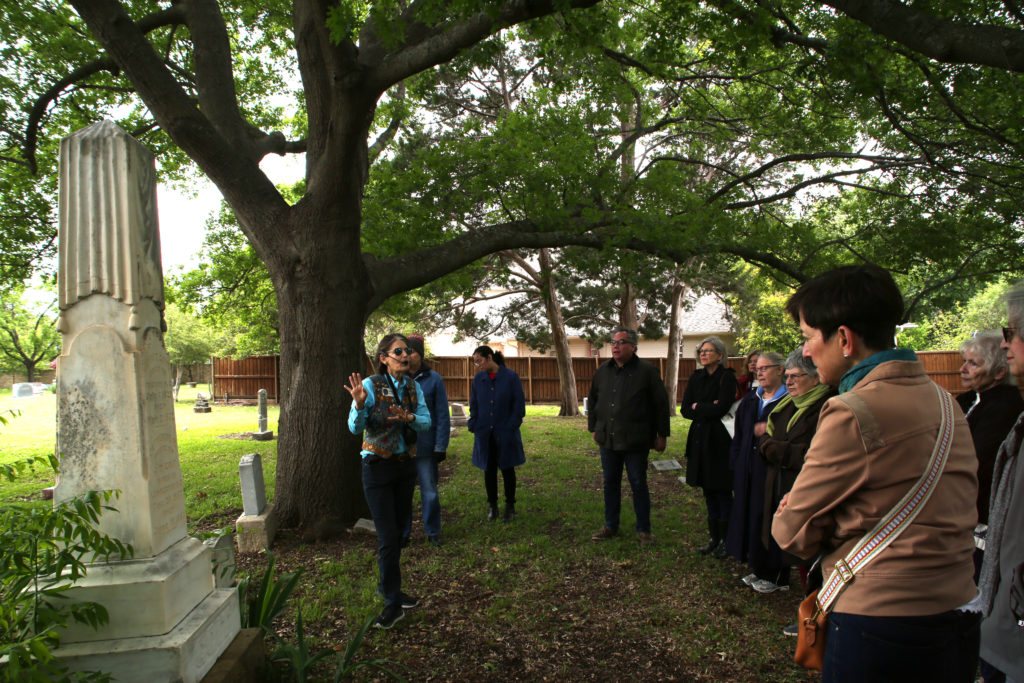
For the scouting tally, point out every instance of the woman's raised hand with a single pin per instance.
(356, 389)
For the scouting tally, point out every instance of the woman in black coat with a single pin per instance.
(991, 402)
(709, 395)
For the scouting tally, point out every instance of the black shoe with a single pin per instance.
(720, 553)
(389, 617)
(435, 540)
(510, 513)
(406, 600)
(492, 513)
(710, 547)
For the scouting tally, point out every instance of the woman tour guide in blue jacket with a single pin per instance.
(388, 409)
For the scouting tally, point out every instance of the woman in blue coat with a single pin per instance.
(496, 410)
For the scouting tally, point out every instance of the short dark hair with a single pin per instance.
(864, 298)
(488, 352)
(630, 334)
(383, 346)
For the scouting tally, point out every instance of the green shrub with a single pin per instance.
(43, 552)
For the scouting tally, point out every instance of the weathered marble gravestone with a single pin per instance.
(257, 526)
(201, 405)
(22, 390)
(115, 424)
(262, 434)
(459, 417)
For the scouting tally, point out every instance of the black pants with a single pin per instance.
(508, 477)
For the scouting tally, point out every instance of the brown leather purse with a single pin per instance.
(812, 623)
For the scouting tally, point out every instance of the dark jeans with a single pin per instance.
(635, 463)
(508, 477)
(719, 503)
(388, 486)
(426, 473)
(942, 648)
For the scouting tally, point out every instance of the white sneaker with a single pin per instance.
(749, 579)
(766, 586)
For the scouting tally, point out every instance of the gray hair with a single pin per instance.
(796, 360)
(1015, 305)
(714, 341)
(775, 358)
(630, 334)
(987, 345)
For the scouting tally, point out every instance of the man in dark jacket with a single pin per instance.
(628, 415)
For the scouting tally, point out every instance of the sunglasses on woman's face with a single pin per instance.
(398, 353)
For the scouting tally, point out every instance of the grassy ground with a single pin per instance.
(531, 600)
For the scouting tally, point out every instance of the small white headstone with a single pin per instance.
(22, 390)
(254, 496)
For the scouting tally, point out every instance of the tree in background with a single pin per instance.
(692, 90)
(189, 341)
(28, 332)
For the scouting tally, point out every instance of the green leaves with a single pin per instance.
(43, 552)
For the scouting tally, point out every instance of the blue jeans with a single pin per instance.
(426, 473)
(388, 486)
(635, 463)
(942, 647)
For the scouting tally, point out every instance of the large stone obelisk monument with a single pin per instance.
(115, 423)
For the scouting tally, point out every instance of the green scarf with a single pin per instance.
(802, 402)
(861, 369)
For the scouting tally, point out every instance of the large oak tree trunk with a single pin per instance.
(322, 307)
(566, 376)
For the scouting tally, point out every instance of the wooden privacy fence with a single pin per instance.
(243, 378)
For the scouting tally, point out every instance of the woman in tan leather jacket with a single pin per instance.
(913, 612)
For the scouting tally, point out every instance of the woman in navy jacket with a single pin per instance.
(496, 410)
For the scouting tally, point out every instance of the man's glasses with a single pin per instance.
(765, 368)
(620, 342)
(398, 353)
(704, 351)
(1009, 333)
(794, 376)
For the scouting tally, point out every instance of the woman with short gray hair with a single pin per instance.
(991, 403)
(791, 426)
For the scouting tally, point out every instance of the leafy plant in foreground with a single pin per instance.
(43, 552)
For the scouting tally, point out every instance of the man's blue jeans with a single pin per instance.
(426, 473)
(635, 463)
(941, 647)
(388, 486)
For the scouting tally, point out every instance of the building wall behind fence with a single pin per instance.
(243, 378)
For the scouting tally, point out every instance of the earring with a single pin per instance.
(845, 354)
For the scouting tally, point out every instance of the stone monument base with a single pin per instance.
(244, 660)
(185, 654)
(256, 532)
(263, 436)
(146, 596)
